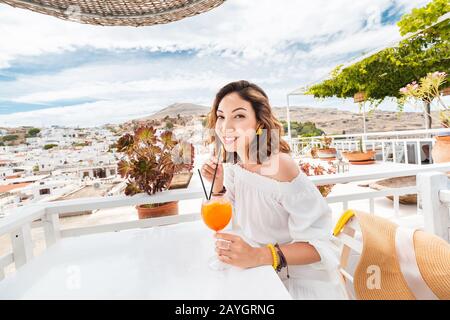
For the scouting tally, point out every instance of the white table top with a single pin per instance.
(169, 262)
(380, 166)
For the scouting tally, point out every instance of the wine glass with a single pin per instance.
(216, 214)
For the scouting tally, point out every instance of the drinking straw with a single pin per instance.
(215, 171)
(203, 184)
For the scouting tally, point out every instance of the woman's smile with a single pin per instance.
(229, 140)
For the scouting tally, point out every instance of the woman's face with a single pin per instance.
(236, 123)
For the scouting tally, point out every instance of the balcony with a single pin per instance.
(131, 259)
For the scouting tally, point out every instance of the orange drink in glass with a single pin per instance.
(216, 214)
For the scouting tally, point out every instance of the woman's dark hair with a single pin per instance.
(262, 145)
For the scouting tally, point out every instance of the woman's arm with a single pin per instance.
(309, 218)
(240, 254)
(295, 253)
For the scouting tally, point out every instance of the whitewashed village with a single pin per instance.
(58, 163)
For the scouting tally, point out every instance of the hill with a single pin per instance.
(330, 120)
(182, 109)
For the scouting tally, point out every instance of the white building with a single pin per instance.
(107, 171)
(5, 172)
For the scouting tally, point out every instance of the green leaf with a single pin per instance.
(382, 75)
(146, 135)
(124, 168)
(167, 139)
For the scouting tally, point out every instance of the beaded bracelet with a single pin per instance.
(274, 256)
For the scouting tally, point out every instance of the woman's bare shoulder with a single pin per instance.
(288, 169)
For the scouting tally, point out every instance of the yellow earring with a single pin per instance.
(259, 131)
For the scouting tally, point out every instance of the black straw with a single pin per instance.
(203, 185)
(215, 171)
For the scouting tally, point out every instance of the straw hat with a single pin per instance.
(399, 263)
(118, 13)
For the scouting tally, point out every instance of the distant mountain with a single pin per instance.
(182, 109)
(335, 121)
(330, 120)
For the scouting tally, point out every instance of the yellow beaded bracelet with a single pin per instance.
(274, 256)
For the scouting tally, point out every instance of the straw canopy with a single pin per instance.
(118, 12)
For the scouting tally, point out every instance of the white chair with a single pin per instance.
(389, 152)
(434, 192)
(351, 245)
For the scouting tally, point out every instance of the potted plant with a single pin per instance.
(441, 148)
(317, 170)
(325, 151)
(149, 165)
(361, 155)
(427, 91)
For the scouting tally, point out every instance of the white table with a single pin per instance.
(378, 170)
(380, 166)
(167, 262)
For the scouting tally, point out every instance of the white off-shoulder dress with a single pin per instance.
(270, 211)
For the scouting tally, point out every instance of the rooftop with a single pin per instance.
(9, 187)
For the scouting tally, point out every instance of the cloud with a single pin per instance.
(84, 115)
(277, 44)
(252, 27)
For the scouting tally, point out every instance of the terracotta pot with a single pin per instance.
(165, 209)
(326, 153)
(359, 156)
(441, 149)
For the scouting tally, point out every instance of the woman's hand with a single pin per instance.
(207, 171)
(237, 252)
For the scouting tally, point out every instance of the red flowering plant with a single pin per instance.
(318, 170)
(151, 160)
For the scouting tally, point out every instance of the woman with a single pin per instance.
(274, 202)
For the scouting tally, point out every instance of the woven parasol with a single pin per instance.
(118, 12)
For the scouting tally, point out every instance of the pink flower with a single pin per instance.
(438, 74)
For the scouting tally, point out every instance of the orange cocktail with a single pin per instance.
(216, 212)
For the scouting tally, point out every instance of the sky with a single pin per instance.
(56, 72)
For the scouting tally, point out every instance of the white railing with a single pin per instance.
(391, 142)
(421, 133)
(46, 215)
(395, 150)
(434, 190)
